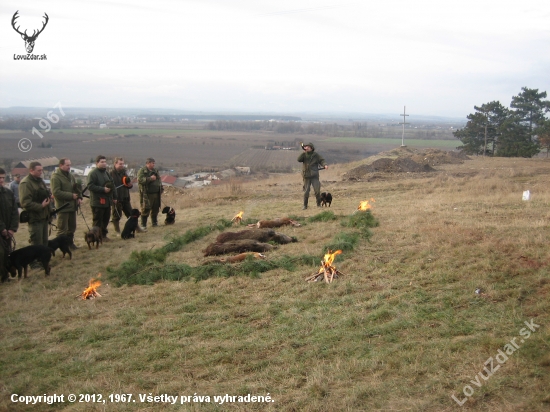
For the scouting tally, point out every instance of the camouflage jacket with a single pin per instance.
(311, 162)
(146, 185)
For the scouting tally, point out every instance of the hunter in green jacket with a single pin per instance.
(150, 188)
(66, 190)
(311, 163)
(102, 195)
(9, 223)
(35, 198)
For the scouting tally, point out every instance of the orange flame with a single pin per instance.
(328, 259)
(91, 291)
(238, 217)
(365, 205)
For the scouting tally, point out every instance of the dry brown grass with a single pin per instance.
(403, 330)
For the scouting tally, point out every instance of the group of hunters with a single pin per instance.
(109, 198)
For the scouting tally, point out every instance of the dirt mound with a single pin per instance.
(405, 160)
(435, 157)
(385, 165)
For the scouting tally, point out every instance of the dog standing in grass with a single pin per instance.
(326, 199)
(93, 236)
(63, 243)
(21, 258)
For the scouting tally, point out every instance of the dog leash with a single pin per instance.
(82, 214)
(9, 245)
(116, 210)
(51, 225)
(13, 244)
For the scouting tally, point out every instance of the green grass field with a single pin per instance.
(402, 330)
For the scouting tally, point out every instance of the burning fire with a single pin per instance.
(328, 259)
(91, 291)
(238, 217)
(326, 272)
(365, 205)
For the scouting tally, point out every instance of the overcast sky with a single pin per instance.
(435, 57)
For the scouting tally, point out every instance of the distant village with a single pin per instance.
(194, 180)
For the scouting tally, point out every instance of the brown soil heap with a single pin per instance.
(405, 160)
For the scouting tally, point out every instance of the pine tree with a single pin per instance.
(486, 121)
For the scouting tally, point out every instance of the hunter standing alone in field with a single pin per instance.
(9, 223)
(312, 162)
(150, 188)
(66, 190)
(102, 195)
(123, 186)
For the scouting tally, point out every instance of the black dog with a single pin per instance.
(131, 225)
(326, 199)
(63, 243)
(170, 215)
(21, 258)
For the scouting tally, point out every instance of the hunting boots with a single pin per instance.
(72, 246)
(144, 223)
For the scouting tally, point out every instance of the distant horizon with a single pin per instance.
(221, 112)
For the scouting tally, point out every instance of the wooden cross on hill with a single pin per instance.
(404, 123)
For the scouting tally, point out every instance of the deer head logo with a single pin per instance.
(29, 40)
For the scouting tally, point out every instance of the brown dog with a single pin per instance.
(93, 236)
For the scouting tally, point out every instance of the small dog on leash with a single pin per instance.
(326, 199)
(132, 225)
(170, 215)
(20, 259)
(93, 236)
(63, 243)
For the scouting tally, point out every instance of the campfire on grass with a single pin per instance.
(91, 291)
(238, 217)
(327, 271)
(364, 206)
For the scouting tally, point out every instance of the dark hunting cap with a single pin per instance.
(150, 160)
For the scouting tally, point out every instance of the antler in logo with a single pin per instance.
(29, 40)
